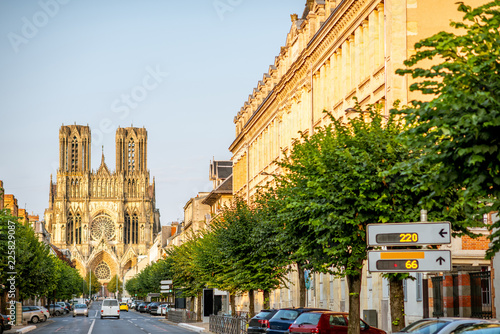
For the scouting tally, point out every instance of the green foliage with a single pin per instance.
(37, 272)
(92, 283)
(112, 285)
(148, 280)
(457, 131)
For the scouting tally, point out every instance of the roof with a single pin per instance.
(225, 188)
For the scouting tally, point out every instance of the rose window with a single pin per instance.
(102, 226)
(102, 271)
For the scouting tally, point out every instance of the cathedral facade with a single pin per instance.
(105, 219)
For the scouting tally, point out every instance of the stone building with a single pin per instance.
(105, 219)
(334, 51)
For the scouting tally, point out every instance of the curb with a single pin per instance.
(26, 329)
(191, 327)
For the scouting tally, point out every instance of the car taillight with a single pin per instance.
(101, 311)
(315, 330)
(118, 311)
(264, 323)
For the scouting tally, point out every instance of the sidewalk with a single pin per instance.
(193, 326)
(20, 329)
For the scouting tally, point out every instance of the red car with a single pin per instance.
(327, 322)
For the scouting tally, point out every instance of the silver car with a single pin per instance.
(439, 325)
(35, 314)
(80, 309)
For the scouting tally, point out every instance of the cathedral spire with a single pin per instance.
(103, 168)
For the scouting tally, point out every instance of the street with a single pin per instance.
(129, 322)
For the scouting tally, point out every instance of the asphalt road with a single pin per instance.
(129, 322)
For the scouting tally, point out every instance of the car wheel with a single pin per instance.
(35, 319)
(74, 315)
(118, 317)
(58, 313)
(102, 317)
(87, 315)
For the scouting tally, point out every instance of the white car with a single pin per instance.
(110, 308)
(80, 309)
(162, 309)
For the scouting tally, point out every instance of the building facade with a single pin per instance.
(107, 220)
(335, 51)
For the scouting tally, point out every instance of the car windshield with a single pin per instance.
(285, 315)
(111, 302)
(308, 319)
(429, 326)
(80, 306)
(123, 303)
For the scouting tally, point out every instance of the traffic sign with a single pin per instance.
(409, 260)
(408, 234)
(166, 282)
(165, 291)
(165, 287)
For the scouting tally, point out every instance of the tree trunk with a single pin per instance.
(397, 304)
(267, 300)
(251, 307)
(302, 286)
(232, 301)
(198, 306)
(191, 304)
(354, 285)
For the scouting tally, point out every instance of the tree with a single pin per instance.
(92, 283)
(242, 241)
(457, 130)
(112, 285)
(343, 177)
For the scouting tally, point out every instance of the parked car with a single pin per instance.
(142, 307)
(4, 323)
(80, 309)
(123, 307)
(34, 314)
(282, 320)
(439, 325)
(328, 322)
(480, 328)
(55, 309)
(136, 303)
(110, 308)
(259, 323)
(64, 306)
(152, 307)
(162, 309)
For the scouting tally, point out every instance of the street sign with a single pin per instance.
(409, 260)
(165, 291)
(166, 282)
(165, 287)
(408, 234)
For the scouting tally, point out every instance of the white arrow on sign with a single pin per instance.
(408, 234)
(165, 287)
(166, 282)
(164, 291)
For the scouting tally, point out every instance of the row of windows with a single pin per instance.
(74, 229)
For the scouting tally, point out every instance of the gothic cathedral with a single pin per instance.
(105, 219)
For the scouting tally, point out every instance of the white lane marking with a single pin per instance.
(91, 327)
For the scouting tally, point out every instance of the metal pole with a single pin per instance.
(90, 283)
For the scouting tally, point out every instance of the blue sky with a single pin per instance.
(181, 69)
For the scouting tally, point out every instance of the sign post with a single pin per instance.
(409, 260)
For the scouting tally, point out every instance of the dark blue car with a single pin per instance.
(284, 318)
